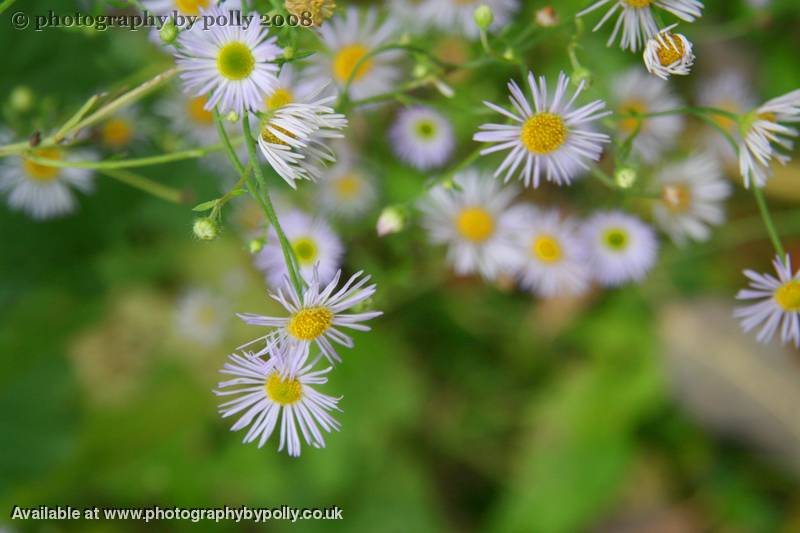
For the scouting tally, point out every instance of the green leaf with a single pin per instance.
(205, 206)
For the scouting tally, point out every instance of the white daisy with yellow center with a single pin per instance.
(315, 246)
(636, 18)
(458, 16)
(778, 305)
(636, 93)
(668, 53)
(319, 318)
(43, 191)
(188, 116)
(201, 317)
(620, 248)
(551, 261)
(229, 63)
(346, 190)
(553, 137)
(766, 138)
(422, 137)
(730, 91)
(693, 194)
(473, 220)
(281, 391)
(348, 39)
(118, 132)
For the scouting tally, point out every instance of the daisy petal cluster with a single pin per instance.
(668, 53)
(422, 137)
(620, 247)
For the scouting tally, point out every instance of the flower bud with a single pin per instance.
(256, 245)
(625, 177)
(233, 116)
(21, 98)
(547, 17)
(483, 16)
(168, 32)
(391, 220)
(205, 229)
(288, 52)
(581, 74)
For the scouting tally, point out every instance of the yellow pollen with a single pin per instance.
(279, 98)
(308, 324)
(190, 7)
(677, 198)
(305, 249)
(767, 116)
(283, 391)
(196, 110)
(616, 239)
(670, 49)
(345, 63)
(117, 133)
(235, 61)
(347, 187)
(631, 107)
(546, 248)
(475, 224)
(38, 172)
(272, 138)
(639, 3)
(543, 133)
(788, 296)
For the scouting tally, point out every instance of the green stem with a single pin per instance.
(147, 185)
(269, 209)
(6, 4)
(768, 222)
(691, 110)
(127, 163)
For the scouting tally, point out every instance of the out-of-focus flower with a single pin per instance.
(201, 317)
(422, 137)
(121, 129)
(668, 53)
(183, 7)
(391, 220)
(553, 137)
(547, 17)
(474, 222)
(729, 91)
(693, 194)
(320, 10)
(778, 306)
(459, 16)
(620, 247)
(345, 189)
(636, 18)
(292, 88)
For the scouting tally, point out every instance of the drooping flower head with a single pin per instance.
(668, 53)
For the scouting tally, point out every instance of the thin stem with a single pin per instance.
(768, 222)
(691, 110)
(269, 210)
(127, 163)
(147, 185)
(6, 4)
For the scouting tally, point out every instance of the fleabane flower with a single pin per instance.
(229, 62)
(294, 138)
(778, 303)
(554, 137)
(473, 220)
(315, 245)
(318, 317)
(292, 88)
(693, 193)
(458, 16)
(636, 18)
(551, 261)
(346, 189)
(278, 390)
(119, 131)
(347, 40)
(637, 93)
(44, 191)
(765, 137)
(668, 53)
(422, 137)
(729, 91)
(620, 247)
(201, 317)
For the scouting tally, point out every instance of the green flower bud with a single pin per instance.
(391, 220)
(205, 229)
(21, 98)
(483, 16)
(169, 32)
(288, 53)
(233, 116)
(625, 177)
(256, 245)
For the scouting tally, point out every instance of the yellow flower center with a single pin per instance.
(723, 121)
(475, 224)
(346, 60)
(631, 107)
(638, 4)
(305, 249)
(279, 98)
(670, 49)
(308, 324)
(347, 187)
(677, 198)
(616, 239)
(271, 138)
(39, 172)
(426, 129)
(190, 7)
(235, 61)
(543, 133)
(197, 112)
(546, 248)
(319, 9)
(788, 296)
(117, 133)
(283, 391)
(207, 315)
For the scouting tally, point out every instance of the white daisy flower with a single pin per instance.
(201, 317)
(636, 92)
(458, 15)
(765, 137)
(347, 40)
(779, 303)
(43, 191)
(620, 247)
(554, 137)
(732, 92)
(345, 189)
(189, 116)
(231, 63)
(119, 131)
(474, 222)
(551, 262)
(291, 88)
(668, 53)
(268, 390)
(636, 18)
(693, 194)
(422, 137)
(319, 317)
(294, 138)
(315, 245)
